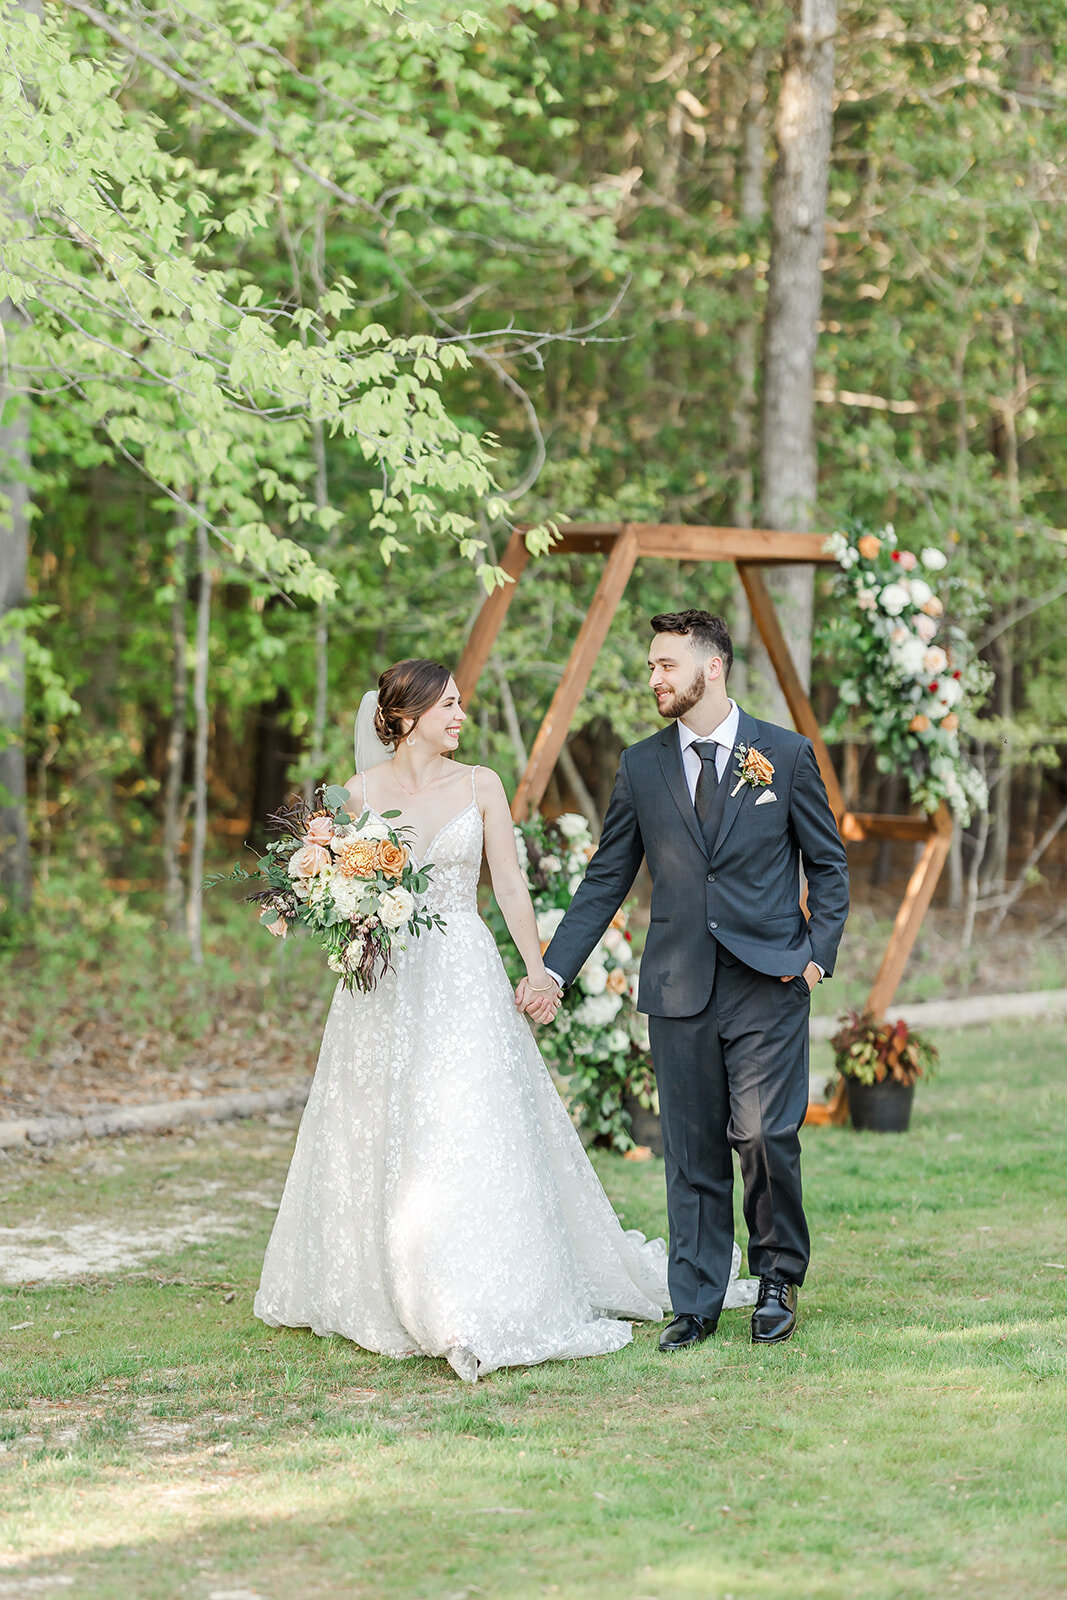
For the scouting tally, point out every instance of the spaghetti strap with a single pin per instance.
(474, 790)
(363, 781)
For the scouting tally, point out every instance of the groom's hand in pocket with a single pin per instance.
(812, 975)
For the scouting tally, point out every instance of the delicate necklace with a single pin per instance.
(421, 790)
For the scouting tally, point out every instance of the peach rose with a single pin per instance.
(309, 861)
(617, 983)
(757, 765)
(918, 723)
(279, 927)
(621, 920)
(319, 831)
(357, 858)
(908, 561)
(950, 723)
(869, 546)
(392, 858)
(933, 607)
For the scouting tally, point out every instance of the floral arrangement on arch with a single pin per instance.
(351, 884)
(910, 675)
(598, 1043)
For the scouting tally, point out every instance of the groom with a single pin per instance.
(724, 809)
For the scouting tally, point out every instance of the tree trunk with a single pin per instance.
(14, 548)
(799, 189)
(173, 810)
(322, 632)
(751, 206)
(194, 899)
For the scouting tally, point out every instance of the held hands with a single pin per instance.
(811, 976)
(539, 1001)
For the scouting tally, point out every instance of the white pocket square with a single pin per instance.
(766, 797)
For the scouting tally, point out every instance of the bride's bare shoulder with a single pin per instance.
(354, 785)
(487, 785)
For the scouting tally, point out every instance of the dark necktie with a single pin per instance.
(707, 791)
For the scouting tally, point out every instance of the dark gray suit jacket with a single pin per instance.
(745, 895)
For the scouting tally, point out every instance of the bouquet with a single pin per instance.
(352, 884)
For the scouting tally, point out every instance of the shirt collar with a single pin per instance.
(725, 733)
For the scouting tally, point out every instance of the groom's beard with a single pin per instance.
(683, 700)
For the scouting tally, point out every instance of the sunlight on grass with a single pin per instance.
(157, 1441)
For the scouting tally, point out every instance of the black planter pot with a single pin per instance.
(880, 1107)
(644, 1124)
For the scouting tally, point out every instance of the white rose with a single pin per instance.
(395, 907)
(921, 591)
(935, 660)
(594, 979)
(373, 829)
(894, 597)
(614, 942)
(599, 1010)
(574, 882)
(933, 560)
(548, 922)
(925, 627)
(950, 691)
(866, 601)
(520, 848)
(551, 864)
(334, 962)
(618, 1040)
(571, 825)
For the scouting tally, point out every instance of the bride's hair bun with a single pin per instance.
(405, 691)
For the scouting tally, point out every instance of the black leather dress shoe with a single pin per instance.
(775, 1315)
(686, 1329)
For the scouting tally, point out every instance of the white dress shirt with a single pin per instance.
(725, 736)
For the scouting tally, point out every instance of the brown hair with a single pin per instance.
(406, 690)
(709, 634)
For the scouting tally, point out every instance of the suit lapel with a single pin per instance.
(670, 760)
(747, 734)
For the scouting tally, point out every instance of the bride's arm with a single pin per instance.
(509, 885)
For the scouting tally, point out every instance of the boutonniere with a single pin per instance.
(753, 768)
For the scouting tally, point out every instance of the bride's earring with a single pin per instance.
(410, 738)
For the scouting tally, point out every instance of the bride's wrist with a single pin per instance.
(539, 980)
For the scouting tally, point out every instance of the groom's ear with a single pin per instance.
(715, 668)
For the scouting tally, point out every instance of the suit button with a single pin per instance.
(711, 877)
(713, 926)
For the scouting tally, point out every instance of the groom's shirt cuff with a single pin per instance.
(556, 977)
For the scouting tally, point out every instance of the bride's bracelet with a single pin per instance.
(540, 988)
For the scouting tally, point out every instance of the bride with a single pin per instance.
(439, 1200)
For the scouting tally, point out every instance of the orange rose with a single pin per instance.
(357, 858)
(950, 723)
(617, 983)
(392, 858)
(319, 830)
(621, 921)
(869, 546)
(918, 723)
(757, 767)
(933, 607)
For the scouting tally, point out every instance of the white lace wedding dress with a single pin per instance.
(439, 1200)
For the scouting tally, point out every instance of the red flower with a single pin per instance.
(894, 555)
(932, 687)
(957, 674)
(629, 938)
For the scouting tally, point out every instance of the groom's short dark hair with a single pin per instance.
(709, 634)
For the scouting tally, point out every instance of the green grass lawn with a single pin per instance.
(156, 1441)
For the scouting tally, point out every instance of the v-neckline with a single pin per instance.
(421, 859)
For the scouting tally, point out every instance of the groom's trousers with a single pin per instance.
(733, 1077)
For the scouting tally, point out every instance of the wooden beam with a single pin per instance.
(488, 622)
(913, 908)
(683, 541)
(796, 698)
(857, 825)
(560, 714)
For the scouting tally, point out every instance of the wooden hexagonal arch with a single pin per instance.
(750, 549)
